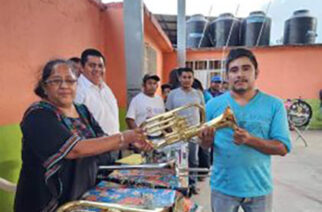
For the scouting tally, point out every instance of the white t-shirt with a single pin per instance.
(101, 102)
(143, 107)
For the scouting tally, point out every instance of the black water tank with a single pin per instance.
(207, 38)
(300, 28)
(256, 29)
(195, 27)
(221, 28)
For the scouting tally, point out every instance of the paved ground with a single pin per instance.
(297, 178)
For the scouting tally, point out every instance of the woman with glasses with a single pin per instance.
(61, 144)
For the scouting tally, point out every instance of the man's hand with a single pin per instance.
(269, 147)
(241, 136)
(207, 137)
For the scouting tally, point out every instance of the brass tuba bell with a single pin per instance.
(173, 128)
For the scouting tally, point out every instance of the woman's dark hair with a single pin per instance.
(46, 72)
(174, 79)
(197, 85)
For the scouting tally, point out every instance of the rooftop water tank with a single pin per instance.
(255, 30)
(195, 28)
(300, 28)
(225, 27)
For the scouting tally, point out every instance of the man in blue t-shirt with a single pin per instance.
(241, 175)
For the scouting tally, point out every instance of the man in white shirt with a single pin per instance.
(146, 104)
(95, 94)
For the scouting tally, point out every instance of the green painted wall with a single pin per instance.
(10, 161)
(122, 114)
(316, 121)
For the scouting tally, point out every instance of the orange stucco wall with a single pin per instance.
(34, 31)
(115, 51)
(285, 71)
(31, 33)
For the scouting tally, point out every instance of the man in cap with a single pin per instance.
(146, 104)
(215, 86)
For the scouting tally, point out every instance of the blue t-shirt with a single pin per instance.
(240, 170)
(207, 96)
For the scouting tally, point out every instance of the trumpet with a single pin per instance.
(174, 128)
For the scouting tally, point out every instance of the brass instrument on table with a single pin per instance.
(81, 205)
(174, 128)
(159, 166)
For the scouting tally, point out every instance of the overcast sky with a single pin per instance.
(278, 10)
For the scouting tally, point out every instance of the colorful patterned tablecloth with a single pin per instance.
(137, 197)
(164, 178)
(146, 198)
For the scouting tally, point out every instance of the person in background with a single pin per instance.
(146, 104)
(203, 153)
(61, 144)
(198, 85)
(242, 174)
(76, 65)
(225, 86)
(93, 92)
(174, 78)
(165, 88)
(215, 86)
(181, 96)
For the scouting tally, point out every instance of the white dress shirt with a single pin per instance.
(101, 102)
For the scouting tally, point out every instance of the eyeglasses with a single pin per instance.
(59, 82)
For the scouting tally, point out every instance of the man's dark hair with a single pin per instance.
(90, 52)
(241, 52)
(185, 69)
(165, 86)
(75, 59)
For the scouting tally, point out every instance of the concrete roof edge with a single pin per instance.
(157, 26)
(114, 5)
(99, 4)
(316, 45)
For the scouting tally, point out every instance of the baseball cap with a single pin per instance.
(216, 79)
(150, 76)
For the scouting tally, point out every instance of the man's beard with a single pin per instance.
(239, 90)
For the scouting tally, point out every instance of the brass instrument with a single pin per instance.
(159, 166)
(174, 128)
(81, 205)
